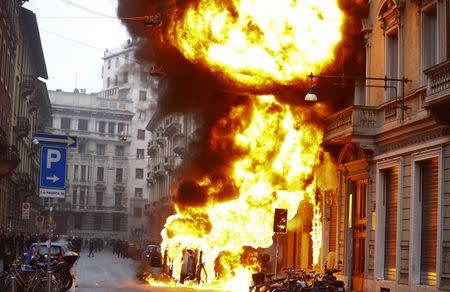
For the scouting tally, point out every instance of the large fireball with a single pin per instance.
(259, 43)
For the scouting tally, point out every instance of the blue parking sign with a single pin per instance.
(53, 167)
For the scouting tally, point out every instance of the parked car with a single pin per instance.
(56, 253)
(152, 254)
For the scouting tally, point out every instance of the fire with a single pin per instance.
(259, 43)
(254, 44)
(265, 182)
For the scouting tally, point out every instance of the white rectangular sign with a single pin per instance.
(52, 193)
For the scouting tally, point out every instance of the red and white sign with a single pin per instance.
(26, 211)
(39, 222)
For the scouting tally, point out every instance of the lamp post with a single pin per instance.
(311, 96)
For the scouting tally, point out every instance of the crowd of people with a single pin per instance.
(13, 246)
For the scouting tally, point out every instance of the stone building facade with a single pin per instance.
(98, 170)
(128, 78)
(170, 139)
(387, 223)
(24, 110)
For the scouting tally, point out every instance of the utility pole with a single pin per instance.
(49, 246)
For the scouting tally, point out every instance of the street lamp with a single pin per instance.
(311, 96)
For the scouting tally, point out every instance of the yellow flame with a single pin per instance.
(281, 154)
(259, 42)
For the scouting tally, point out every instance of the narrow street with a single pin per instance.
(107, 272)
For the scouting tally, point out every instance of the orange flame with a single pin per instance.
(260, 42)
(254, 44)
(281, 154)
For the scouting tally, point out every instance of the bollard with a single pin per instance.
(12, 281)
(49, 280)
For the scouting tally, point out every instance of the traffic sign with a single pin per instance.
(56, 140)
(26, 210)
(53, 167)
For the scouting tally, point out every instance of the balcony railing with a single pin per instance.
(27, 85)
(173, 126)
(438, 80)
(22, 127)
(152, 148)
(9, 159)
(354, 120)
(169, 163)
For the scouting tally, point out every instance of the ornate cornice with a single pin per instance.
(412, 140)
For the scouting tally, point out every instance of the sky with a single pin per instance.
(74, 47)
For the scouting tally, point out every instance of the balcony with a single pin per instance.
(179, 144)
(23, 181)
(169, 163)
(161, 140)
(152, 148)
(151, 178)
(9, 159)
(27, 85)
(350, 123)
(159, 170)
(172, 126)
(22, 127)
(438, 91)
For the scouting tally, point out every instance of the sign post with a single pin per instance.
(52, 182)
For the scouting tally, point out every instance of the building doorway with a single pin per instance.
(359, 222)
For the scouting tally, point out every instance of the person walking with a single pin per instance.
(91, 249)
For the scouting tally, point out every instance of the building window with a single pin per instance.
(78, 222)
(141, 116)
(429, 182)
(102, 127)
(81, 147)
(116, 80)
(101, 149)
(83, 173)
(82, 196)
(99, 198)
(140, 153)
(75, 172)
(143, 77)
(429, 37)
(390, 241)
(138, 192)
(141, 134)
(120, 151)
(108, 82)
(100, 173)
(74, 197)
(142, 95)
(65, 123)
(118, 199)
(121, 128)
(111, 128)
(97, 222)
(125, 77)
(109, 64)
(138, 212)
(119, 174)
(83, 125)
(117, 62)
(139, 173)
(116, 223)
(392, 62)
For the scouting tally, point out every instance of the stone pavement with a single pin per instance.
(107, 273)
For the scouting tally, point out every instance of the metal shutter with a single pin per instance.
(390, 241)
(333, 222)
(429, 200)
